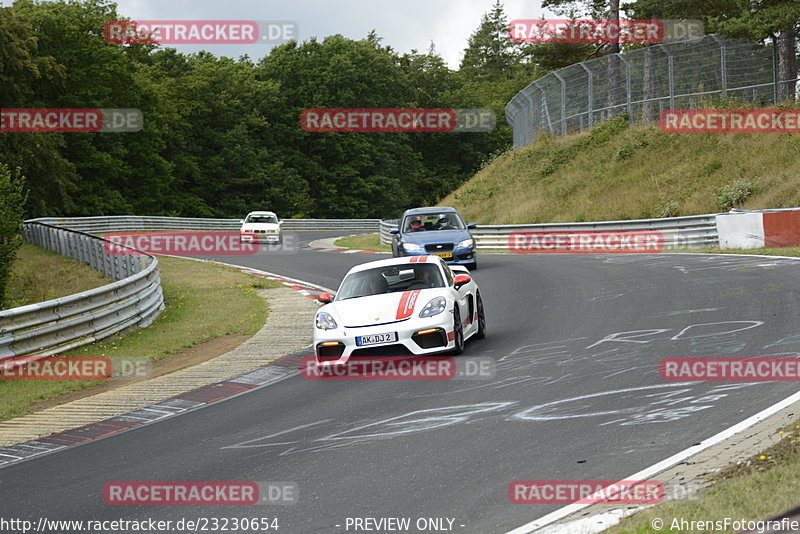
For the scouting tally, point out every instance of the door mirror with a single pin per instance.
(325, 298)
(241, 221)
(394, 230)
(472, 226)
(460, 280)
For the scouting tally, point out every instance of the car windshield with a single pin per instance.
(262, 219)
(390, 279)
(433, 221)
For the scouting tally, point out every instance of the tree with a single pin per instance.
(490, 54)
(23, 69)
(12, 202)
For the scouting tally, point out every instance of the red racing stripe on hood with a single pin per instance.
(407, 303)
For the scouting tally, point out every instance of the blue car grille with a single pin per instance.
(439, 247)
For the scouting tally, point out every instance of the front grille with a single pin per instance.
(439, 247)
(382, 351)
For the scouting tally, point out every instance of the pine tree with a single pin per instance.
(490, 54)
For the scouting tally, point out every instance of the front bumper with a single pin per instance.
(461, 255)
(254, 238)
(408, 340)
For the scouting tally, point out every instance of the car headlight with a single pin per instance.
(325, 321)
(466, 243)
(434, 307)
(411, 247)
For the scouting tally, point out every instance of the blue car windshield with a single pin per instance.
(390, 279)
(427, 222)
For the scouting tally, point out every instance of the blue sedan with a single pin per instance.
(439, 231)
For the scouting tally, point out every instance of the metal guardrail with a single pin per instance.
(135, 223)
(46, 328)
(695, 231)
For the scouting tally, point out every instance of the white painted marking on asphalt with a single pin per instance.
(656, 468)
(246, 444)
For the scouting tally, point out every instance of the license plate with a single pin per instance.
(443, 254)
(376, 339)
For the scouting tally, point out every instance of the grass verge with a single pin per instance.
(204, 302)
(618, 171)
(39, 275)
(363, 242)
(763, 486)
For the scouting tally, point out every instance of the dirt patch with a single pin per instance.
(187, 357)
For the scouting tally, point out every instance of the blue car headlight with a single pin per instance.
(411, 247)
(434, 307)
(466, 243)
(325, 321)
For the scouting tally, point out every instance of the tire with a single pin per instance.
(473, 266)
(458, 331)
(481, 333)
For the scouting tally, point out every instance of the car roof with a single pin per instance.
(261, 213)
(430, 209)
(396, 261)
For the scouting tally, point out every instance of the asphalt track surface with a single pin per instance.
(564, 405)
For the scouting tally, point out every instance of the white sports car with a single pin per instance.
(415, 305)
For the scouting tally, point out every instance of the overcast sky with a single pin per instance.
(403, 24)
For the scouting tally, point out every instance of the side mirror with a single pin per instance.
(472, 226)
(241, 221)
(394, 230)
(461, 279)
(325, 298)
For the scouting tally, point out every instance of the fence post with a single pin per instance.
(545, 110)
(528, 119)
(590, 85)
(776, 78)
(563, 102)
(628, 87)
(723, 64)
(671, 75)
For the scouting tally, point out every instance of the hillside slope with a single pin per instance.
(618, 171)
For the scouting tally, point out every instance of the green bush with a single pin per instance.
(670, 208)
(734, 193)
(12, 198)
